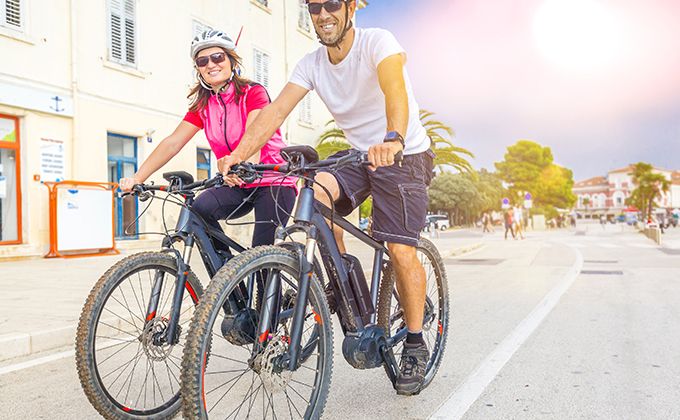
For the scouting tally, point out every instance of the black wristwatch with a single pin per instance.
(394, 136)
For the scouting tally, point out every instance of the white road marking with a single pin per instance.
(36, 362)
(49, 358)
(469, 391)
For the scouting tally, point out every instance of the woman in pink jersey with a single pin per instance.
(223, 104)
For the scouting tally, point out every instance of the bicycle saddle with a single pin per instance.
(308, 152)
(185, 177)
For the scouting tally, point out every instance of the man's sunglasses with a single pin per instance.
(216, 58)
(331, 6)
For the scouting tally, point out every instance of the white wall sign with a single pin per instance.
(52, 160)
(84, 219)
(37, 99)
(3, 186)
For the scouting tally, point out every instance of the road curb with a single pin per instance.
(18, 345)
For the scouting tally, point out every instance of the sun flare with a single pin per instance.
(578, 35)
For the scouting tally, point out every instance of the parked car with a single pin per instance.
(441, 221)
(363, 224)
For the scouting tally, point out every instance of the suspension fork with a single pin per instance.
(306, 276)
(171, 333)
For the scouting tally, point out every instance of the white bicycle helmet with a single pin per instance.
(211, 38)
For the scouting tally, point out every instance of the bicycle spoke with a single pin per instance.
(118, 329)
(220, 386)
(116, 352)
(127, 307)
(123, 319)
(123, 365)
(290, 401)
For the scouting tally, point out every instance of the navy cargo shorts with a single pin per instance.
(399, 195)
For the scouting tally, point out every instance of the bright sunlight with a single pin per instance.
(578, 35)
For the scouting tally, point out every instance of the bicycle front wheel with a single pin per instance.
(123, 371)
(436, 319)
(228, 372)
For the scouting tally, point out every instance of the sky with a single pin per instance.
(598, 81)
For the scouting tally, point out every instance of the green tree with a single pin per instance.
(529, 167)
(648, 187)
(458, 195)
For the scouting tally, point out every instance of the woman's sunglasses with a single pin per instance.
(216, 58)
(331, 6)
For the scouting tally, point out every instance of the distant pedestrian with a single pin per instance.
(508, 220)
(487, 225)
(519, 222)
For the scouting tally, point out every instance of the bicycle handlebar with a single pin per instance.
(145, 191)
(248, 172)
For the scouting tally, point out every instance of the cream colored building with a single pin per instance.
(88, 88)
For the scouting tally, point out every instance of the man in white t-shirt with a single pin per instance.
(360, 76)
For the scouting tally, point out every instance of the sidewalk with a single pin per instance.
(42, 298)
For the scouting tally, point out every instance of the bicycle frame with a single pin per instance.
(310, 217)
(190, 230)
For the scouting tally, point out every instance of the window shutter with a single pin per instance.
(11, 13)
(261, 61)
(116, 43)
(122, 27)
(130, 32)
(303, 17)
(305, 111)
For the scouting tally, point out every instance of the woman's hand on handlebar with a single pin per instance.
(126, 184)
(223, 166)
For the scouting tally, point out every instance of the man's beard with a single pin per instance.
(332, 39)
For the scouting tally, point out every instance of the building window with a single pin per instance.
(11, 14)
(305, 110)
(122, 160)
(122, 32)
(304, 21)
(198, 28)
(10, 181)
(261, 61)
(202, 164)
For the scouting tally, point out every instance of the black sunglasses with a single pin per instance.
(216, 58)
(331, 6)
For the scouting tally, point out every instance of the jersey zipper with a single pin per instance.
(224, 126)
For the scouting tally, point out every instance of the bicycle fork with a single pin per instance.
(170, 334)
(269, 314)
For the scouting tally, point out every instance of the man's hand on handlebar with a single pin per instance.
(223, 166)
(383, 154)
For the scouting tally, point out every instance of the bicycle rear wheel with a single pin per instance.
(436, 320)
(225, 378)
(123, 373)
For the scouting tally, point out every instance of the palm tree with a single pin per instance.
(331, 141)
(447, 154)
(649, 186)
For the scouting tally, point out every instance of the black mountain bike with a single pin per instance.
(282, 369)
(136, 318)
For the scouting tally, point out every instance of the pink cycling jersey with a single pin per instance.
(222, 109)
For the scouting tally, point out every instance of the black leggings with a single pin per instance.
(219, 203)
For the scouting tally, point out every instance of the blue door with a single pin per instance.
(122, 151)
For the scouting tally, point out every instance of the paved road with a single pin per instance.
(530, 338)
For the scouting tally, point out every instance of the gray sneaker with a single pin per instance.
(414, 358)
